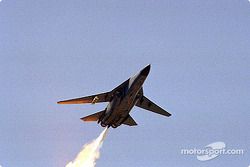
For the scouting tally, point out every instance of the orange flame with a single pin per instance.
(90, 153)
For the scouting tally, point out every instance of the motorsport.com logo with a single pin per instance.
(212, 151)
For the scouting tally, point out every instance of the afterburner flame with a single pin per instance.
(90, 153)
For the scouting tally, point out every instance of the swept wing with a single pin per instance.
(147, 104)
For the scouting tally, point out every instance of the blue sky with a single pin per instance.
(54, 50)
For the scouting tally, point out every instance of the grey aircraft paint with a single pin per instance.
(121, 100)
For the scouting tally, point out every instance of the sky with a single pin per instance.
(53, 50)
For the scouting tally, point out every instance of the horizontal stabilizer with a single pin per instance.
(130, 121)
(98, 98)
(93, 117)
(146, 104)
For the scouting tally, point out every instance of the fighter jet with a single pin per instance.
(120, 102)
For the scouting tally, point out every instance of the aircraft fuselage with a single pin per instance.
(121, 104)
(120, 100)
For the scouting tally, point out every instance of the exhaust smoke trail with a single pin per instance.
(90, 152)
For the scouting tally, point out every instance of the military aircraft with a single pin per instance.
(121, 100)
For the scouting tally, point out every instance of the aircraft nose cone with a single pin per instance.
(145, 71)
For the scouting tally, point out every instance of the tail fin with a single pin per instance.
(93, 117)
(130, 121)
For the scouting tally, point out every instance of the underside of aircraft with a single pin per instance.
(120, 102)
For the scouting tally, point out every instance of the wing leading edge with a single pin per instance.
(98, 98)
(146, 104)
